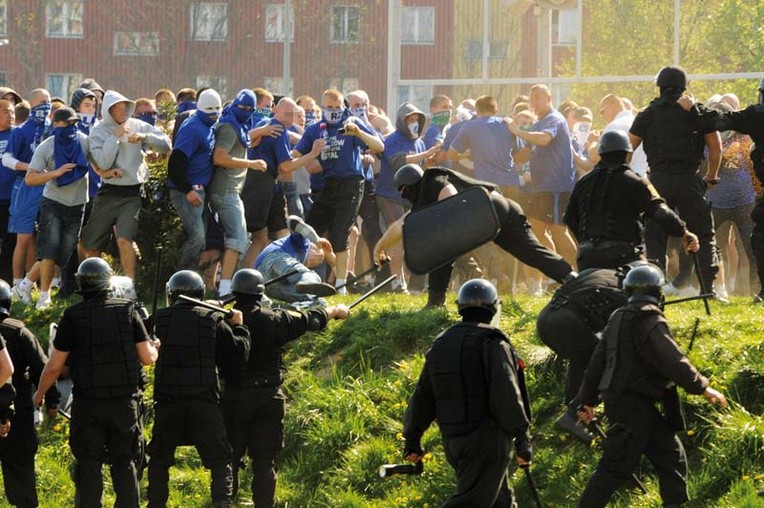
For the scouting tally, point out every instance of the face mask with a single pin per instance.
(242, 115)
(581, 131)
(333, 116)
(310, 118)
(440, 119)
(262, 112)
(40, 113)
(414, 129)
(207, 119)
(358, 112)
(87, 120)
(149, 118)
(65, 133)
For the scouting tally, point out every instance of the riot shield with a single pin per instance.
(437, 234)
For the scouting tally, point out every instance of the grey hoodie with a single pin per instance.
(110, 152)
(405, 110)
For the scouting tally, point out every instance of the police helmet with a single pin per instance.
(761, 91)
(247, 282)
(643, 283)
(671, 77)
(5, 298)
(94, 276)
(408, 174)
(478, 294)
(614, 141)
(185, 282)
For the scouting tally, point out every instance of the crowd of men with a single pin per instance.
(242, 176)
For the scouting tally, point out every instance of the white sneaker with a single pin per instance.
(342, 291)
(22, 295)
(44, 302)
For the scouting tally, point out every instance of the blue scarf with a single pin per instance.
(186, 106)
(38, 115)
(239, 118)
(66, 149)
(148, 118)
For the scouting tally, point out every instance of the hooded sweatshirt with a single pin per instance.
(108, 151)
(398, 145)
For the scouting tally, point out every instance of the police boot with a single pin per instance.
(569, 423)
(222, 504)
(435, 299)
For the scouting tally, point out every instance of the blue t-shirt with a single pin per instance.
(294, 245)
(342, 156)
(432, 135)
(552, 165)
(451, 135)
(491, 144)
(7, 175)
(196, 141)
(272, 150)
(22, 142)
(395, 144)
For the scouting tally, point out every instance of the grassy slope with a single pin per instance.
(348, 389)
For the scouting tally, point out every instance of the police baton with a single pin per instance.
(228, 299)
(387, 470)
(532, 484)
(701, 282)
(374, 268)
(694, 333)
(64, 414)
(703, 296)
(373, 290)
(634, 477)
(228, 313)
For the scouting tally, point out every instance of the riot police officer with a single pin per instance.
(106, 344)
(423, 188)
(253, 403)
(606, 207)
(674, 142)
(19, 446)
(472, 384)
(569, 324)
(195, 343)
(636, 365)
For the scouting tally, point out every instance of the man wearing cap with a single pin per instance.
(190, 170)
(117, 145)
(60, 163)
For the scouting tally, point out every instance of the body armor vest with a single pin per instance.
(11, 329)
(104, 362)
(625, 368)
(673, 140)
(593, 296)
(186, 364)
(601, 222)
(458, 377)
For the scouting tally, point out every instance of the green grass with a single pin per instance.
(348, 388)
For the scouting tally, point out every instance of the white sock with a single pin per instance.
(339, 282)
(26, 284)
(225, 287)
(56, 282)
(44, 295)
(17, 281)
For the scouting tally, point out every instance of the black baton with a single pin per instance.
(701, 282)
(358, 277)
(373, 290)
(532, 484)
(200, 303)
(694, 333)
(689, 299)
(281, 277)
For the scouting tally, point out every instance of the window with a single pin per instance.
(62, 85)
(209, 21)
(345, 85)
(344, 24)
(564, 27)
(3, 78)
(278, 24)
(3, 17)
(63, 19)
(136, 43)
(497, 50)
(418, 25)
(277, 86)
(418, 95)
(217, 83)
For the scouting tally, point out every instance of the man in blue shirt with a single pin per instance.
(7, 177)
(336, 208)
(441, 108)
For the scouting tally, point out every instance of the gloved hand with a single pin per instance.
(524, 449)
(412, 450)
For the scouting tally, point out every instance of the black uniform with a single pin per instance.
(636, 365)
(100, 336)
(514, 236)
(472, 384)
(751, 121)
(18, 449)
(253, 403)
(673, 140)
(186, 392)
(605, 214)
(568, 324)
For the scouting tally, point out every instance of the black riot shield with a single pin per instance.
(439, 233)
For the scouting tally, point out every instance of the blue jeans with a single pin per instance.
(59, 230)
(192, 218)
(277, 263)
(230, 210)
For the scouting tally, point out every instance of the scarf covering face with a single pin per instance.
(186, 106)
(66, 149)
(39, 116)
(441, 118)
(239, 118)
(149, 118)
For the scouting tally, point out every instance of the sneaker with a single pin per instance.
(342, 291)
(758, 298)
(22, 295)
(44, 302)
(669, 289)
(569, 423)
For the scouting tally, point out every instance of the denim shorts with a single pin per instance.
(59, 230)
(25, 207)
(230, 210)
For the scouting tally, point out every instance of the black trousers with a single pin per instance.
(480, 460)
(757, 239)
(255, 422)
(685, 193)
(17, 452)
(637, 428)
(568, 335)
(515, 237)
(105, 430)
(7, 243)
(196, 421)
